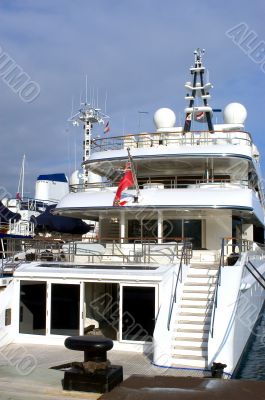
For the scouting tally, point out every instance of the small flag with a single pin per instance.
(126, 199)
(199, 116)
(18, 197)
(106, 128)
(188, 117)
(125, 182)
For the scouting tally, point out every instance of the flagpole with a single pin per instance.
(134, 174)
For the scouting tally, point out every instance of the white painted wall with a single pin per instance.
(240, 299)
(247, 231)
(6, 301)
(217, 227)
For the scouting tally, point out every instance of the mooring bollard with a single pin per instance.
(95, 373)
(217, 370)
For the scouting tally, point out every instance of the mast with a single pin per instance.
(87, 115)
(200, 90)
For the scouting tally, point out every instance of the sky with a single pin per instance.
(138, 52)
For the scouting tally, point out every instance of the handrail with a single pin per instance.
(256, 270)
(184, 256)
(218, 283)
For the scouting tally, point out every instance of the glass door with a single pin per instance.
(138, 313)
(193, 230)
(65, 309)
(32, 308)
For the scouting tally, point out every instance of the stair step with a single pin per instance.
(195, 309)
(200, 276)
(188, 357)
(196, 283)
(193, 313)
(202, 295)
(190, 319)
(190, 289)
(190, 339)
(191, 334)
(198, 352)
(194, 303)
(189, 306)
(206, 281)
(192, 329)
(189, 345)
(192, 322)
(204, 266)
(187, 362)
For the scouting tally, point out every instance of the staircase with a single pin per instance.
(192, 323)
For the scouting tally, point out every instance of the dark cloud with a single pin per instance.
(138, 51)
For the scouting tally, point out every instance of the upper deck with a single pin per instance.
(176, 139)
(163, 143)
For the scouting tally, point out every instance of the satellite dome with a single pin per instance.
(164, 118)
(75, 178)
(235, 113)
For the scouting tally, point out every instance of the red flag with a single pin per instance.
(18, 197)
(107, 128)
(125, 182)
(199, 116)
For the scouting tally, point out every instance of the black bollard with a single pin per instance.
(95, 373)
(217, 370)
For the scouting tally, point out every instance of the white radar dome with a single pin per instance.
(164, 118)
(76, 178)
(235, 113)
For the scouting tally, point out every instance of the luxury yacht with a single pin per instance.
(176, 267)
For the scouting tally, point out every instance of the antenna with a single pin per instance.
(140, 113)
(72, 108)
(86, 89)
(198, 53)
(106, 97)
(123, 125)
(93, 101)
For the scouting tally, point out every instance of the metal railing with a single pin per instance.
(156, 139)
(146, 251)
(141, 252)
(188, 183)
(186, 255)
(259, 278)
(19, 228)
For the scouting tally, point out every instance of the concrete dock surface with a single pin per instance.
(25, 371)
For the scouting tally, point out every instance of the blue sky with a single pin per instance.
(139, 51)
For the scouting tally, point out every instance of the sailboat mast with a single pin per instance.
(21, 179)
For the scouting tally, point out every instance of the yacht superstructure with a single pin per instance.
(175, 263)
